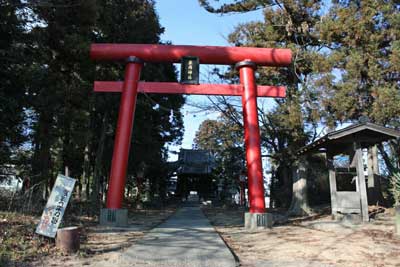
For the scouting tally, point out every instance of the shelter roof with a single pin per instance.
(367, 134)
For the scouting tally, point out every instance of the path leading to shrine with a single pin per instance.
(185, 239)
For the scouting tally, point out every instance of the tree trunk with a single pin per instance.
(42, 158)
(392, 168)
(98, 165)
(374, 189)
(283, 193)
(272, 191)
(299, 205)
(88, 160)
(86, 170)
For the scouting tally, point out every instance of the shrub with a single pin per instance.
(395, 188)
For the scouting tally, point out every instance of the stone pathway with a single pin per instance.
(185, 240)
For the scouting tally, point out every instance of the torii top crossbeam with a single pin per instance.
(245, 59)
(207, 54)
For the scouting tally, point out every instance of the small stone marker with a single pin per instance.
(68, 239)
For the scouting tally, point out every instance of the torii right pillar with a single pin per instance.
(256, 218)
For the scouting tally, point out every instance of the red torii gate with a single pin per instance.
(246, 60)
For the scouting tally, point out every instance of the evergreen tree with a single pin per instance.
(158, 120)
(363, 37)
(345, 66)
(294, 120)
(49, 111)
(13, 61)
(59, 102)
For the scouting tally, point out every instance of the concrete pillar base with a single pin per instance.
(114, 217)
(349, 218)
(257, 221)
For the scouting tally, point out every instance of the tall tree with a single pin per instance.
(52, 104)
(363, 38)
(158, 120)
(345, 66)
(294, 120)
(13, 61)
(364, 55)
(59, 95)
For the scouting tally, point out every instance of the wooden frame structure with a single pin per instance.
(351, 141)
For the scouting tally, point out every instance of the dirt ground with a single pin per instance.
(311, 242)
(98, 244)
(103, 244)
(318, 242)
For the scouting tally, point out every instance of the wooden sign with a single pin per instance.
(190, 70)
(56, 205)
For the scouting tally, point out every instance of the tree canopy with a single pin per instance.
(345, 67)
(51, 119)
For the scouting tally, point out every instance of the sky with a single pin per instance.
(187, 23)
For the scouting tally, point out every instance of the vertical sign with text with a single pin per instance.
(55, 207)
(190, 70)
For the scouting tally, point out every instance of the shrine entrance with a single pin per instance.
(245, 59)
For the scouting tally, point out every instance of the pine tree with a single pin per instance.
(290, 124)
(363, 37)
(158, 120)
(52, 104)
(13, 61)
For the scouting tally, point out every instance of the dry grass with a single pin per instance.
(21, 247)
(316, 242)
(18, 243)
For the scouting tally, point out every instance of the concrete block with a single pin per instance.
(349, 218)
(257, 221)
(114, 217)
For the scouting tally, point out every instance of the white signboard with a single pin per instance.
(55, 207)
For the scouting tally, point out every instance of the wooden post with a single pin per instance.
(374, 184)
(370, 168)
(361, 181)
(68, 239)
(353, 163)
(332, 182)
(397, 220)
(375, 159)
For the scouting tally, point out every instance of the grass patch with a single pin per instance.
(18, 242)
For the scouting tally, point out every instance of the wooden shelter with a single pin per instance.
(351, 141)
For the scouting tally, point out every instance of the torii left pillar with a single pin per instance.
(114, 214)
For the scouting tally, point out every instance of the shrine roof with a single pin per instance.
(192, 161)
